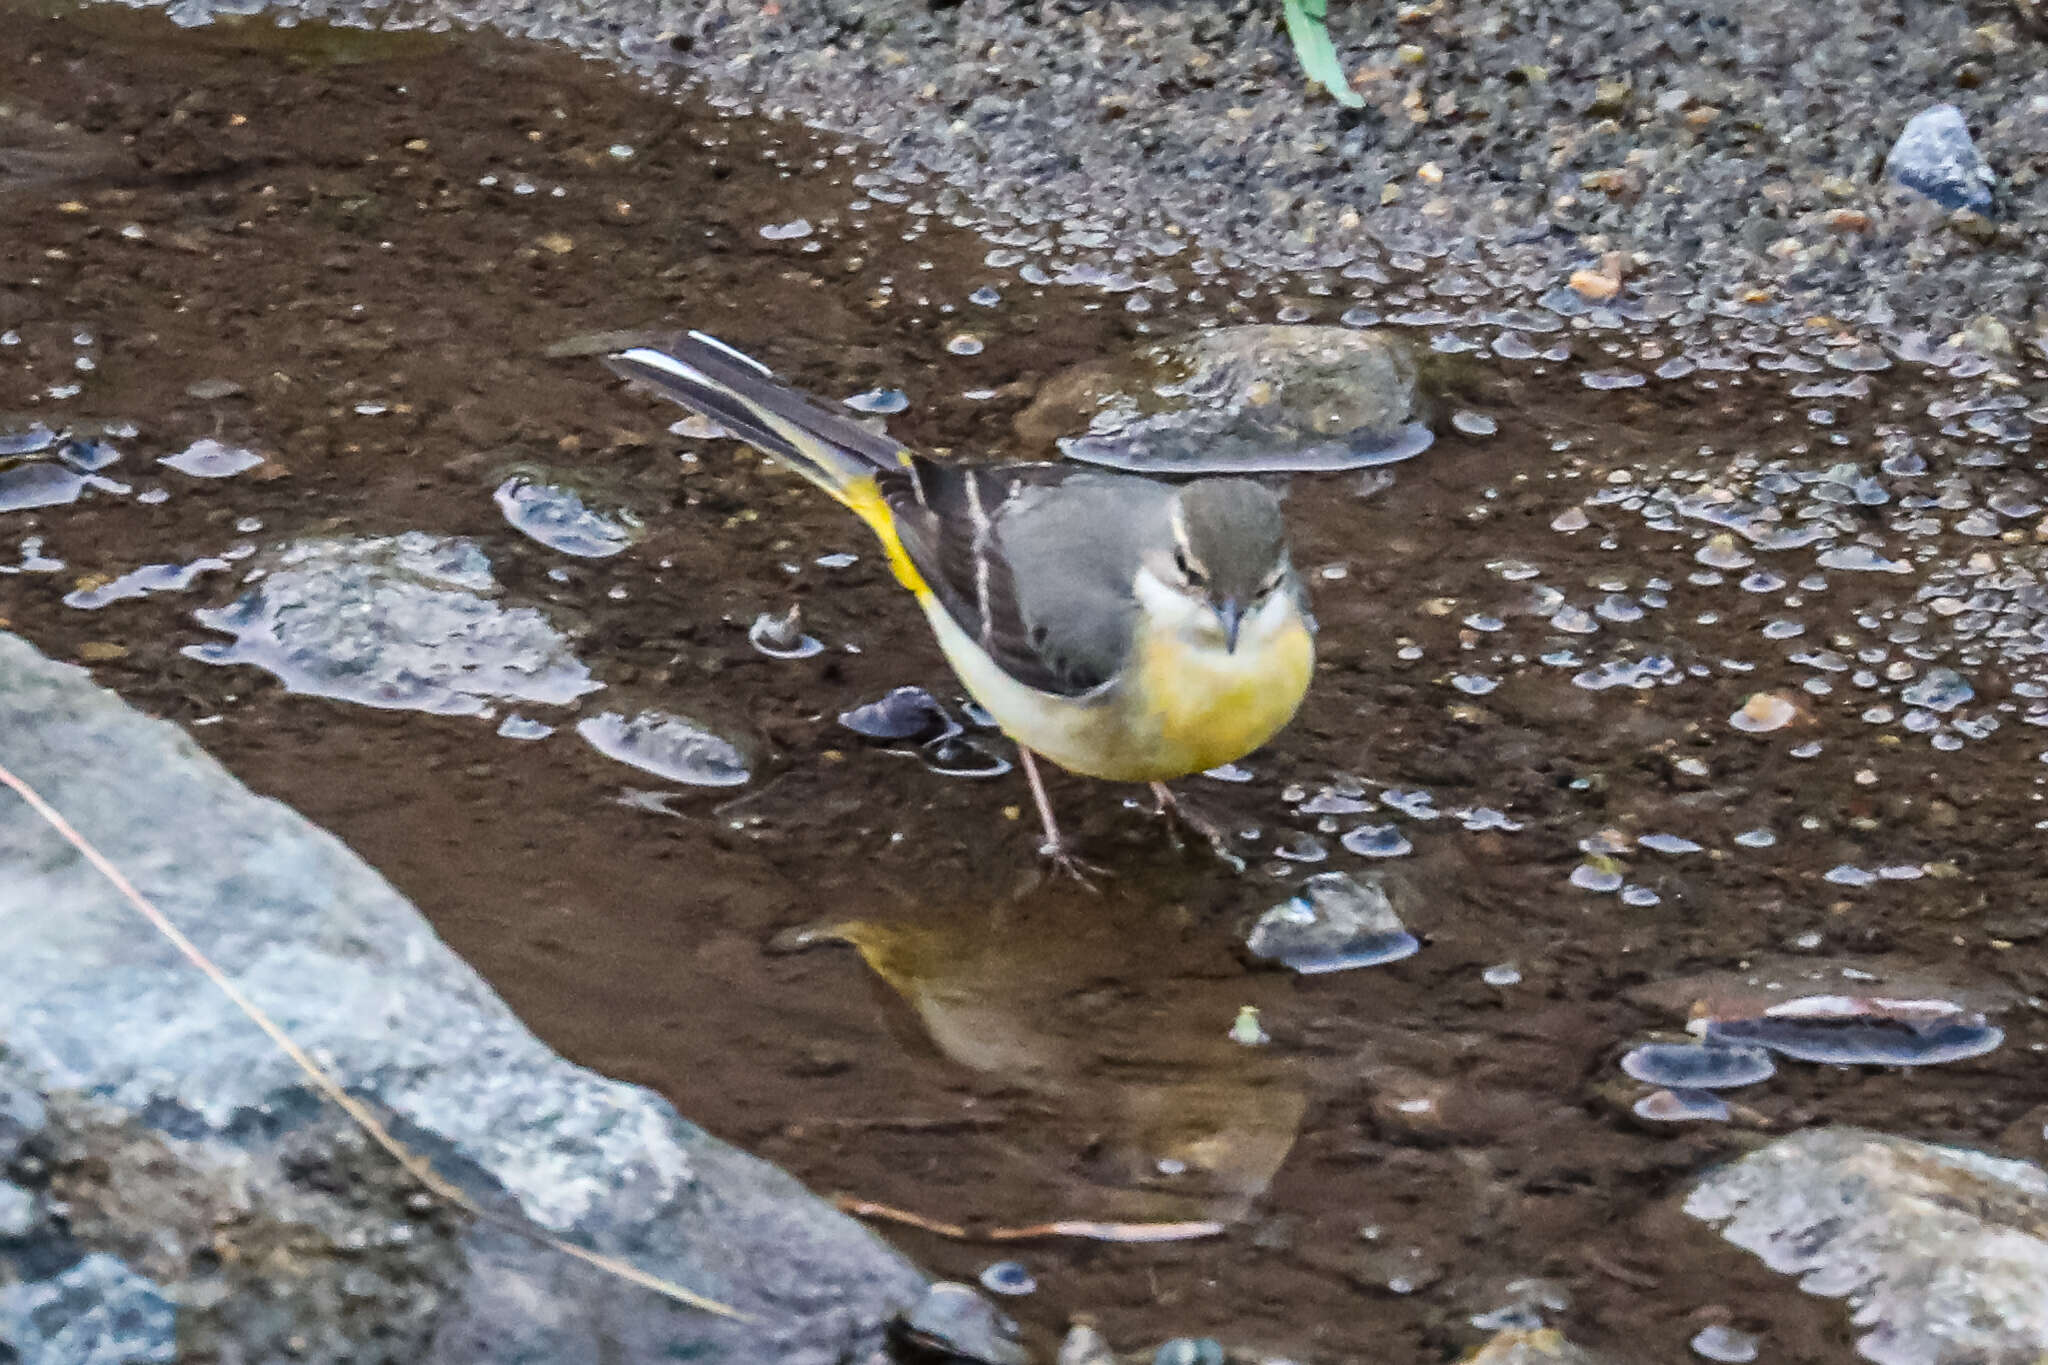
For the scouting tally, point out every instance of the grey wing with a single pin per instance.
(1034, 562)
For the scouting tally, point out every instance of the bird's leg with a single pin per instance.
(1055, 846)
(1172, 806)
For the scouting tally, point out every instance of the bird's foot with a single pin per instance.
(1176, 811)
(1064, 859)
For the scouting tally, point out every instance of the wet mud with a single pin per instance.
(351, 253)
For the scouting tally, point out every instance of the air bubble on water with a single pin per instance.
(1698, 1066)
(783, 232)
(1762, 581)
(556, 517)
(150, 578)
(1473, 423)
(1502, 974)
(211, 459)
(1618, 609)
(1942, 689)
(1481, 622)
(881, 402)
(1574, 621)
(1783, 630)
(1473, 684)
(1756, 838)
(1414, 805)
(1600, 875)
(1682, 1106)
(986, 297)
(1764, 712)
(1725, 1344)
(954, 756)
(1863, 1030)
(1860, 559)
(1673, 844)
(1640, 897)
(1847, 874)
(516, 726)
(39, 484)
(1007, 1278)
(1301, 847)
(964, 344)
(1481, 818)
(1570, 520)
(1721, 552)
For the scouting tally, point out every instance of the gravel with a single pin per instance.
(1728, 146)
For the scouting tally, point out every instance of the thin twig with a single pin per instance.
(417, 1166)
(1068, 1227)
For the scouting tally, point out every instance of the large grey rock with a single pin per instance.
(1942, 1252)
(168, 1180)
(1241, 400)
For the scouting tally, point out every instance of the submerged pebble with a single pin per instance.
(907, 713)
(667, 746)
(1241, 399)
(1336, 922)
(782, 637)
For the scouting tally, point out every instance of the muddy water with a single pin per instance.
(374, 240)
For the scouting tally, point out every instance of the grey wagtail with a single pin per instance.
(1125, 628)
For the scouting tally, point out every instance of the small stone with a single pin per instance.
(1085, 1346)
(557, 243)
(1935, 156)
(1591, 284)
(1847, 220)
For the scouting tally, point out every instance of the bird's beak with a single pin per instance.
(1232, 616)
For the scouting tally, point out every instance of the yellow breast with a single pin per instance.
(1203, 707)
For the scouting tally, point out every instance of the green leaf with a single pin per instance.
(1312, 45)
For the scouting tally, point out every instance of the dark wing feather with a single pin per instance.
(1033, 561)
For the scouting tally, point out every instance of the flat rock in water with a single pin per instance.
(1240, 400)
(192, 1195)
(1941, 1252)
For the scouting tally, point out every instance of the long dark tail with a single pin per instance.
(829, 448)
(740, 394)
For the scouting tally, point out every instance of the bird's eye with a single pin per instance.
(1187, 570)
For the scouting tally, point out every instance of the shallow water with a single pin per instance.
(1535, 643)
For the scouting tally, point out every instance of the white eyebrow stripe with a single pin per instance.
(666, 363)
(736, 354)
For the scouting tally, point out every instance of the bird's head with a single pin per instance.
(1228, 560)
